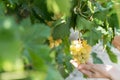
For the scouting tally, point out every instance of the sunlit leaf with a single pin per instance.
(64, 6)
(10, 43)
(112, 56)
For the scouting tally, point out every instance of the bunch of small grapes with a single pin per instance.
(54, 43)
(80, 51)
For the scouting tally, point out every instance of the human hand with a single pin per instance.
(116, 42)
(98, 70)
(93, 70)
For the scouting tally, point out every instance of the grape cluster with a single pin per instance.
(54, 43)
(80, 51)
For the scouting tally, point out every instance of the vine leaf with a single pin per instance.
(34, 34)
(40, 56)
(2, 9)
(82, 23)
(113, 21)
(61, 31)
(10, 43)
(59, 6)
(53, 74)
(111, 55)
(92, 36)
(42, 11)
(96, 59)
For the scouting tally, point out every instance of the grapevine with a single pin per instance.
(35, 36)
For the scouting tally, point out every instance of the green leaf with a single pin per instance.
(96, 59)
(113, 21)
(106, 38)
(92, 36)
(34, 34)
(53, 74)
(26, 23)
(101, 15)
(66, 45)
(63, 57)
(13, 1)
(83, 24)
(38, 63)
(41, 11)
(102, 1)
(42, 51)
(59, 55)
(111, 55)
(91, 7)
(117, 9)
(64, 6)
(40, 57)
(2, 9)
(10, 43)
(53, 7)
(36, 75)
(61, 31)
(58, 22)
(59, 6)
(60, 59)
(107, 35)
(68, 66)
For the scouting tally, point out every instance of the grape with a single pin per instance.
(54, 43)
(80, 51)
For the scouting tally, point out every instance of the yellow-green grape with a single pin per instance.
(80, 51)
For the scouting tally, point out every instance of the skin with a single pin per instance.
(100, 70)
(116, 42)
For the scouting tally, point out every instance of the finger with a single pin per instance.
(84, 66)
(81, 66)
(102, 67)
(89, 63)
(118, 47)
(89, 66)
(98, 67)
(74, 63)
(87, 73)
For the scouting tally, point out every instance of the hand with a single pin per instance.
(116, 42)
(93, 70)
(98, 70)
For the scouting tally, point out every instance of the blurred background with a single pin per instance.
(35, 36)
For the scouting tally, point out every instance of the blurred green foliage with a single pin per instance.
(26, 28)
